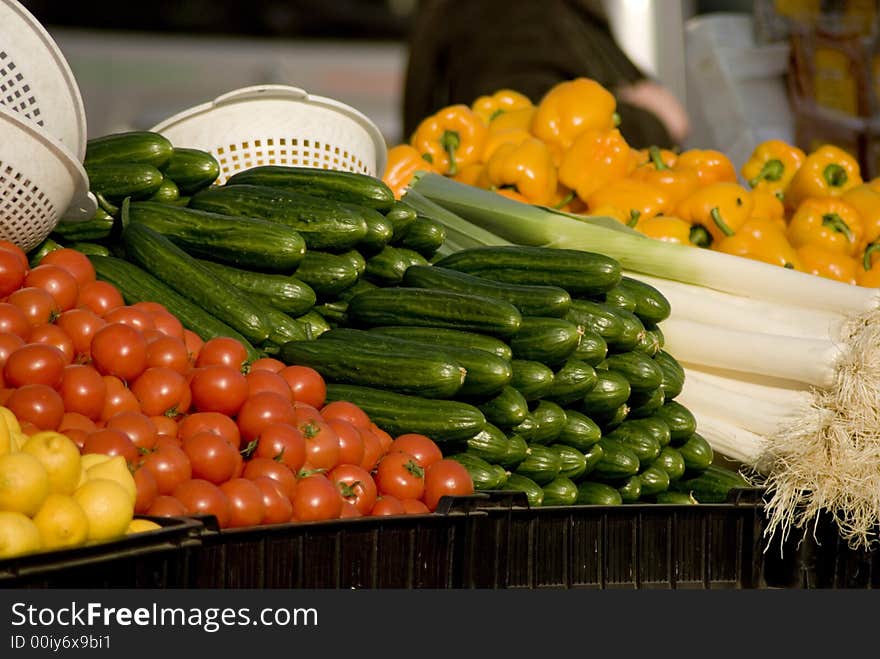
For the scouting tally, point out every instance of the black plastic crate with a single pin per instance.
(631, 546)
(154, 559)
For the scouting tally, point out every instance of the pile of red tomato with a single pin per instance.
(203, 430)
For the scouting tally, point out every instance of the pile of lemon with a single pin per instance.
(51, 497)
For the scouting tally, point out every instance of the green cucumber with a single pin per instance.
(335, 184)
(517, 450)
(617, 461)
(672, 374)
(327, 274)
(359, 286)
(396, 414)
(485, 476)
(357, 261)
(282, 328)
(598, 318)
(697, 454)
(239, 241)
(547, 340)
(649, 342)
(547, 301)
(532, 379)
(578, 272)
(608, 422)
(37, 253)
(652, 427)
(561, 491)
(443, 336)
(611, 390)
(137, 285)
(680, 420)
(519, 483)
(571, 382)
(654, 480)
(651, 305)
(713, 485)
(527, 428)
(432, 308)
(592, 457)
(284, 292)
(675, 498)
(573, 461)
(506, 409)
(641, 442)
(645, 403)
(579, 432)
(590, 493)
(388, 266)
(632, 334)
(657, 333)
(98, 227)
(670, 461)
(425, 236)
(118, 181)
(620, 297)
(167, 193)
(333, 312)
(140, 147)
(591, 349)
(379, 233)
(641, 371)
(549, 421)
(313, 323)
(323, 223)
(542, 464)
(89, 248)
(424, 375)
(191, 169)
(630, 489)
(490, 443)
(401, 215)
(162, 258)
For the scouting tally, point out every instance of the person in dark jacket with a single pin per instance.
(462, 49)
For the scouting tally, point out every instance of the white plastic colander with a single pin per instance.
(279, 125)
(36, 80)
(40, 180)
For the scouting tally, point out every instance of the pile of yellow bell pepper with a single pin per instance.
(810, 212)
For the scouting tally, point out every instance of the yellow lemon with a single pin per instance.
(60, 457)
(24, 483)
(7, 444)
(108, 507)
(114, 469)
(18, 535)
(91, 459)
(17, 439)
(62, 522)
(11, 421)
(142, 526)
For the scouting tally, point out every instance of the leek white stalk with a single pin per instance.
(729, 439)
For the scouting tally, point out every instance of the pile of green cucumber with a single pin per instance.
(541, 370)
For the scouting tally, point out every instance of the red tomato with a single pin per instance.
(267, 364)
(218, 389)
(200, 497)
(12, 272)
(60, 284)
(349, 511)
(219, 424)
(75, 262)
(150, 306)
(170, 466)
(283, 443)
(119, 350)
(118, 398)
(37, 304)
(8, 344)
(108, 441)
(384, 438)
(34, 363)
(165, 425)
(13, 320)
(245, 502)
(355, 485)
(446, 477)
(166, 505)
(346, 411)
(5, 393)
(223, 351)
(76, 421)
(38, 404)
(53, 335)
(414, 507)
(372, 450)
(76, 435)
(400, 475)
(421, 447)
(193, 344)
(137, 426)
(99, 296)
(306, 383)
(168, 324)
(387, 504)
(146, 488)
(303, 412)
(161, 390)
(265, 380)
(316, 499)
(128, 315)
(211, 456)
(351, 444)
(277, 471)
(83, 390)
(322, 444)
(170, 352)
(261, 410)
(80, 325)
(278, 506)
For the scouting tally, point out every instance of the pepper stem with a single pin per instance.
(567, 199)
(834, 222)
(834, 175)
(869, 252)
(771, 171)
(657, 158)
(633, 217)
(450, 141)
(700, 236)
(720, 223)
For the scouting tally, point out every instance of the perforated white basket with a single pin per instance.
(36, 80)
(40, 180)
(279, 125)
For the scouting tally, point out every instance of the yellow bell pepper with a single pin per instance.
(510, 193)
(772, 165)
(660, 170)
(875, 183)
(869, 279)
(636, 199)
(720, 208)
(869, 274)
(569, 109)
(526, 167)
(661, 158)
(709, 165)
(826, 172)
(609, 211)
(496, 139)
(826, 263)
(762, 240)
(521, 119)
(453, 137)
(402, 162)
(473, 174)
(490, 106)
(827, 222)
(667, 228)
(767, 206)
(595, 158)
(866, 200)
